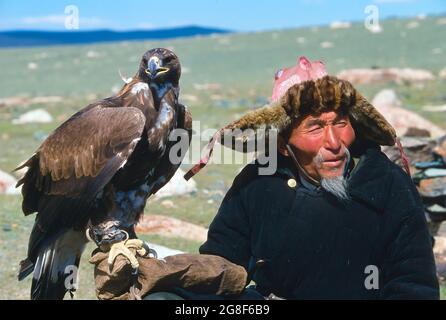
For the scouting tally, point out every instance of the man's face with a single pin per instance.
(320, 144)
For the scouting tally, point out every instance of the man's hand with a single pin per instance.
(197, 273)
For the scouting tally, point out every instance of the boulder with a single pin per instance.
(401, 119)
(376, 76)
(440, 257)
(34, 116)
(7, 184)
(442, 73)
(418, 149)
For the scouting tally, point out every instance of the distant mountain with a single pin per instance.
(46, 38)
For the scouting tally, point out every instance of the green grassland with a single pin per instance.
(242, 65)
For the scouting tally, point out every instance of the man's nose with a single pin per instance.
(331, 139)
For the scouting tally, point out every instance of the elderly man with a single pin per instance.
(338, 220)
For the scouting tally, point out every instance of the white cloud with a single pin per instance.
(392, 1)
(51, 19)
(59, 20)
(146, 25)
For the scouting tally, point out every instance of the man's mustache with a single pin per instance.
(319, 158)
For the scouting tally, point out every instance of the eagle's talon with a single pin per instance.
(123, 249)
(147, 252)
(141, 247)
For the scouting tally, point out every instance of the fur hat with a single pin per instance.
(306, 90)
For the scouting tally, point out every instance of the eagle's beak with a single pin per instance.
(154, 68)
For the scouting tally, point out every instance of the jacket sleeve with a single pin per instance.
(409, 267)
(229, 232)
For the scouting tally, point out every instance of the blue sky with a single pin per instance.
(238, 15)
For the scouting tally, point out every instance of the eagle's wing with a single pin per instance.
(73, 165)
(82, 155)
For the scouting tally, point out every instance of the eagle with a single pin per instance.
(91, 178)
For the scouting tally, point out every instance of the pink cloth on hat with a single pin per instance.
(303, 71)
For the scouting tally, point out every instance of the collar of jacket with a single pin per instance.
(367, 182)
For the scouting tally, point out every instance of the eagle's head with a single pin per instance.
(161, 70)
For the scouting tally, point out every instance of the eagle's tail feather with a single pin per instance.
(26, 268)
(56, 267)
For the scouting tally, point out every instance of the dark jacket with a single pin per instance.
(316, 247)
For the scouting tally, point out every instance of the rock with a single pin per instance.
(376, 76)
(189, 98)
(13, 101)
(7, 184)
(440, 149)
(24, 101)
(32, 65)
(375, 28)
(401, 119)
(441, 21)
(340, 25)
(327, 45)
(207, 86)
(34, 116)
(224, 41)
(91, 54)
(171, 227)
(435, 108)
(440, 245)
(47, 99)
(386, 98)
(440, 256)
(177, 186)
(168, 204)
(417, 132)
(418, 149)
(412, 25)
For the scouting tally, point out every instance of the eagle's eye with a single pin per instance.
(168, 59)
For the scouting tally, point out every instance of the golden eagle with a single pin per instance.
(92, 176)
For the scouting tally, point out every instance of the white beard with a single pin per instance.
(337, 186)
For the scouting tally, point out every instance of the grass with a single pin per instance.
(241, 64)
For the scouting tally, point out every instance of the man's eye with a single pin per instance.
(315, 129)
(341, 124)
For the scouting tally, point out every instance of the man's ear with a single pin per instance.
(281, 146)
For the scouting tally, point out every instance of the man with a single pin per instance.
(338, 220)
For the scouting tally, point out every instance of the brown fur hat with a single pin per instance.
(309, 97)
(315, 97)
